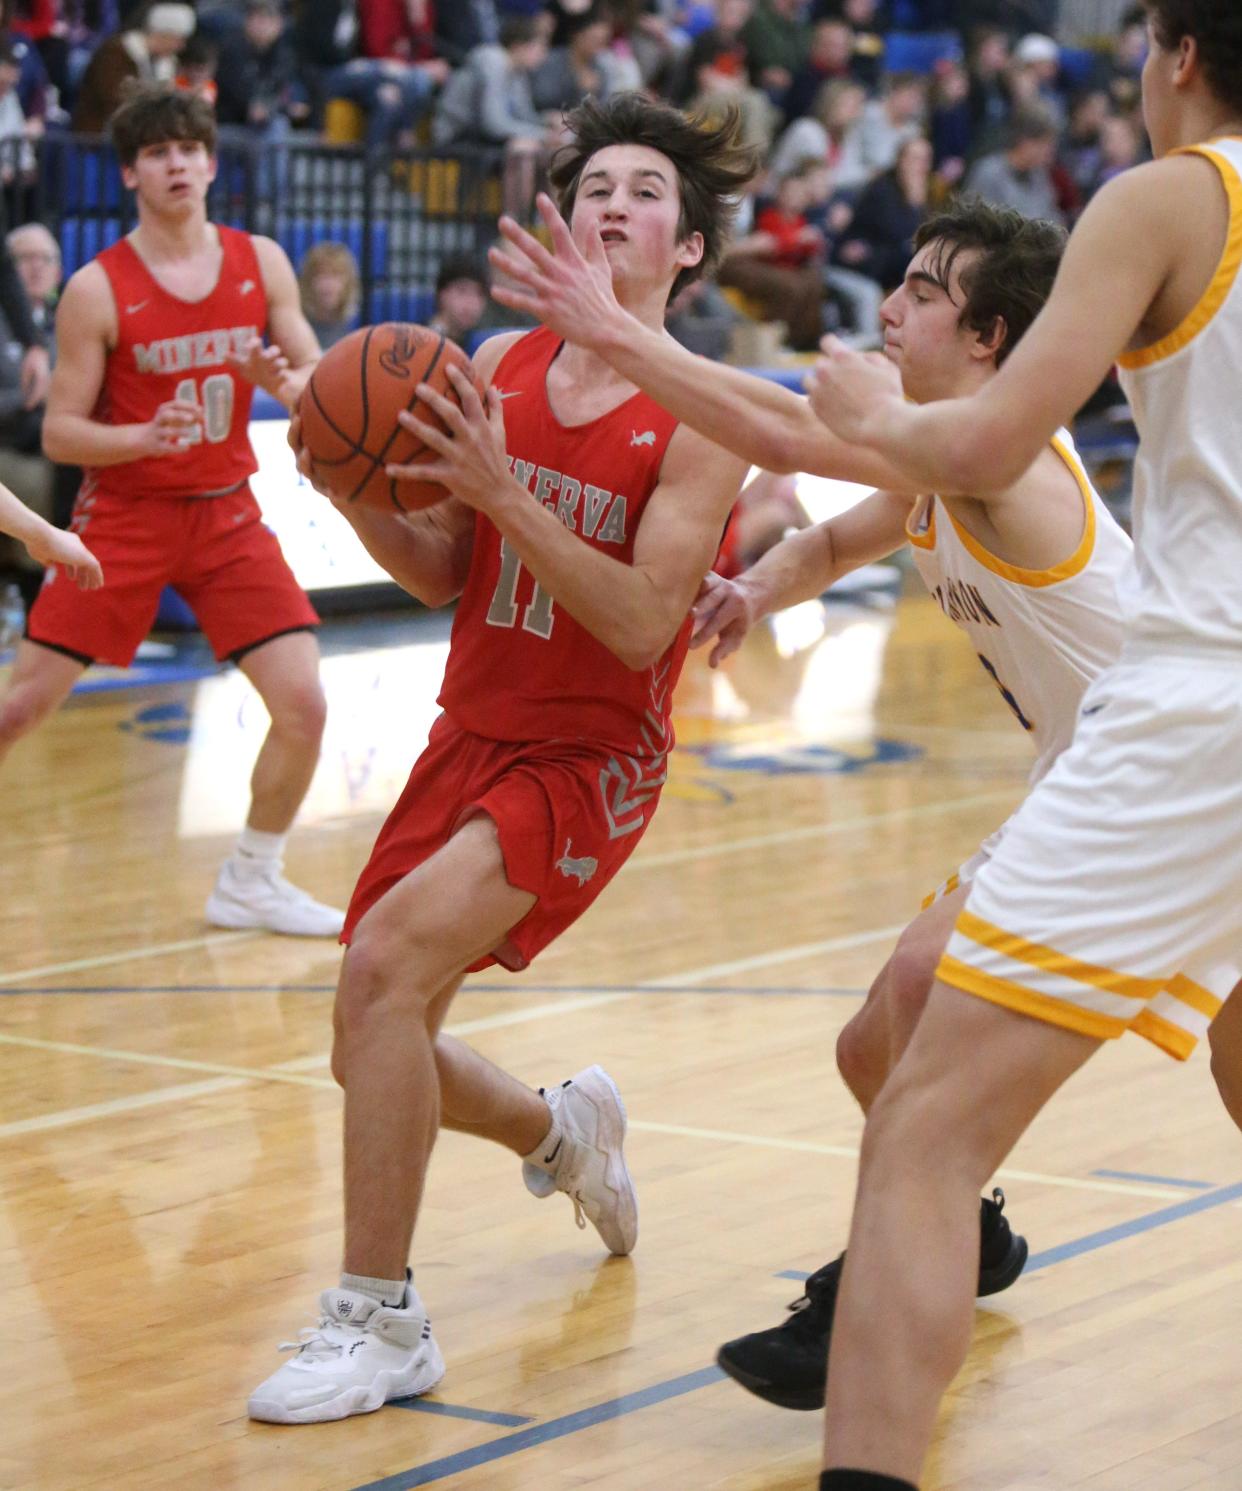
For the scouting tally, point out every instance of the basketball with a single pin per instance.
(349, 413)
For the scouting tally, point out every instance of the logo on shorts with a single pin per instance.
(580, 870)
(646, 438)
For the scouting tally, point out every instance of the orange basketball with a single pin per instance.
(349, 413)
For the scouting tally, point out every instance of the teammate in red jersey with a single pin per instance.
(582, 520)
(160, 344)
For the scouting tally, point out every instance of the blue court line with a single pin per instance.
(833, 993)
(185, 673)
(456, 1411)
(570, 1423)
(1158, 1180)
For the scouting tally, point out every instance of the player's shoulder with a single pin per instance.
(88, 295)
(272, 258)
(1153, 191)
(489, 353)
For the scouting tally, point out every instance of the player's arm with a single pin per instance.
(799, 568)
(85, 330)
(755, 418)
(284, 366)
(47, 545)
(635, 609)
(1121, 253)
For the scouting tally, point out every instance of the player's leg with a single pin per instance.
(872, 1043)
(1225, 1039)
(787, 1364)
(973, 1078)
(405, 959)
(250, 890)
(41, 680)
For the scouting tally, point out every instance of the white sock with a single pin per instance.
(256, 849)
(546, 1155)
(390, 1292)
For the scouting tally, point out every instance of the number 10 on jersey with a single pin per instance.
(216, 404)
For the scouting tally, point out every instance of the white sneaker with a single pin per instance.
(264, 898)
(589, 1158)
(360, 1356)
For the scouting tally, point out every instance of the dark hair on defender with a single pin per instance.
(711, 161)
(1217, 26)
(1010, 276)
(154, 116)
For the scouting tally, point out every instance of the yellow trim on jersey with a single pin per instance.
(1068, 568)
(1026, 1002)
(1038, 956)
(927, 539)
(1223, 280)
(1186, 991)
(1179, 1043)
(947, 889)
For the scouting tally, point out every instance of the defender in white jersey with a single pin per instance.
(979, 277)
(1115, 900)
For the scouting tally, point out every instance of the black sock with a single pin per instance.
(861, 1480)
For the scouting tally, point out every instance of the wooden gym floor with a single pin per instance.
(169, 1165)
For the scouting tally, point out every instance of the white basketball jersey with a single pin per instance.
(1043, 635)
(1186, 394)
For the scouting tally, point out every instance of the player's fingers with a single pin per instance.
(428, 433)
(526, 243)
(447, 409)
(562, 238)
(467, 393)
(516, 300)
(597, 254)
(424, 471)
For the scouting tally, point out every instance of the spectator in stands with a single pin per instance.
(832, 133)
(461, 299)
(463, 25)
(579, 67)
(880, 241)
(261, 88)
(1128, 55)
(778, 39)
(1080, 146)
(17, 159)
(1121, 146)
(991, 103)
(716, 73)
(398, 30)
(1036, 73)
(488, 101)
(890, 120)
(1021, 175)
(196, 67)
(36, 257)
(779, 263)
(395, 96)
(324, 34)
(830, 56)
(331, 288)
(950, 123)
(147, 54)
(42, 24)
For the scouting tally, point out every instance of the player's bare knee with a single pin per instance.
(302, 712)
(21, 710)
(379, 979)
(910, 973)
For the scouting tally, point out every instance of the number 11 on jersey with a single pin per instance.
(538, 617)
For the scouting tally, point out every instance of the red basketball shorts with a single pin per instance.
(216, 551)
(568, 815)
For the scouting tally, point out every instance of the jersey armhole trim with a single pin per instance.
(1223, 280)
(927, 538)
(1037, 579)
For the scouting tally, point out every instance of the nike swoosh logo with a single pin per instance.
(548, 1158)
(508, 393)
(131, 310)
(1095, 709)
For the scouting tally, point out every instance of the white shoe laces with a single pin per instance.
(315, 1341)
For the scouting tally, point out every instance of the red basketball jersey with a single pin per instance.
(520, 667)
(169, 348)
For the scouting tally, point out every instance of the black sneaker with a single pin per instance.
(788, 1364)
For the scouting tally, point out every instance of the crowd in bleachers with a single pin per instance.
(867, 112)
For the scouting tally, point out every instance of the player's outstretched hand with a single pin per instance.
(177, 424)
(854, 393)
(568, 290)
(268, 368)
(723, 609)
(54, 546)
(472, 464)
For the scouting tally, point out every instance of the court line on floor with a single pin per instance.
(816, 831)
(671, 857)
(661, 1392)
(456, 1411)
(1163, 1180)
(822, 992)
(189, 944)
